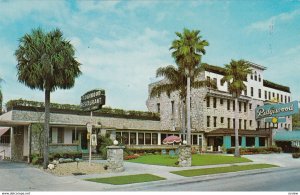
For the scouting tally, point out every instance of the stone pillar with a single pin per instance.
(185, 156)
(115, 158)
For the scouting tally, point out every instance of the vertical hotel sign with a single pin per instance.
(93, 100)
(276, 110)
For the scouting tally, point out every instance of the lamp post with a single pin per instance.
(89, 129)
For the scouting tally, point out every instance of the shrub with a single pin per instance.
(71, 155)
(130, 157)
(296, 155)
(264, 150)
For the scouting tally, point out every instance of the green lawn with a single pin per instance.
(197, 160)
(127, 179)
(233, 168)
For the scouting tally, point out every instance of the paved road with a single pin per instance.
(21, 177)
(281, 179)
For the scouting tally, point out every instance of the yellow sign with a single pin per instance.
(274, 120)
(88, 136)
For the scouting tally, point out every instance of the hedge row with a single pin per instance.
(148, 150)
(264, 150)
(38, 160)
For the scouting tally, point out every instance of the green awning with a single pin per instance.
(287, 135)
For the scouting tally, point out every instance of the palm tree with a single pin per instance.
(235, 74)
(46, 62)
(187, 50)
(176, 80)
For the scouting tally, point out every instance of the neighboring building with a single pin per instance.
(212, 110)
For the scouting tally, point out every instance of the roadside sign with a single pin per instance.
(278, 120)
(276, 110)
(93, 100)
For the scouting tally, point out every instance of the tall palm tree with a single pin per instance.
(187, 51)
(176, 80)
(46, 62)
(235, 74)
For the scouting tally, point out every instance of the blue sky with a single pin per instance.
(121, 43)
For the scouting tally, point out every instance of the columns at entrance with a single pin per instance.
(227, 141)
(243, 145)
(159, 139)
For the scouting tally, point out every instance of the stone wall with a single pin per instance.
(17, 143)
(115, 158)
(185, 156)
(73, 119)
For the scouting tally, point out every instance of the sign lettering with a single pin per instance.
(276, 110)
(93, 100)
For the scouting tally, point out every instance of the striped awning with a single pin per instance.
(3, 130)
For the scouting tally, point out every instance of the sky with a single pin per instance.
(120, 44)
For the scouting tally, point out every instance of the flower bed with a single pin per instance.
(264, 150)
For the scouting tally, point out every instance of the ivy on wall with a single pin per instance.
(30, 105)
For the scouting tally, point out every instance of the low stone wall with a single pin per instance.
(115, 158)
(185, 156)
(63, 148)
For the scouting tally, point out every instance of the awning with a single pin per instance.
(287, 136)
(3, 130)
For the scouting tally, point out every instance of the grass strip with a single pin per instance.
(127, 179)
(233, 168)
(197, 160)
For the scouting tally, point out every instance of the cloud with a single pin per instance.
(265, 25)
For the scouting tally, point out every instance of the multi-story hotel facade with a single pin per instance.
(212, 110)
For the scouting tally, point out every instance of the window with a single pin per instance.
(215, 81)
(255, 76)
(233, 105)
(207, 101)
(240, 123)
(221, 83)
(208, 80)
(245, 92)
(5, 138)
(285, 99)
(245, 124)
(125, 137)
(277, 97)
(259, 93)
(240, 106)
(163, 136)
(172, 107)
(251, 91)
(141, 138)
(273, 94)
(245, 107)
(250, 123)
(154, 138)
(259, 79)
(250, 106)
(262, 141)
(269, 95)
(119, 137)
(258, 124)
(194, 139)
(158, 107)
(133, 138)
(222, 120)
(266, 95)
(215, 102)
(228, 104)
(233, 141)
(221, 101)
(148, 138)
(281, 98)
(60, 135)
(208, 121)
(251, 76)
(289, 98)
(228, 123)
(215, 121)
(250, 141)
(233, 123)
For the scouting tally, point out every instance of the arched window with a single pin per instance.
(259, 79)
(255, 76)
(251, 76)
